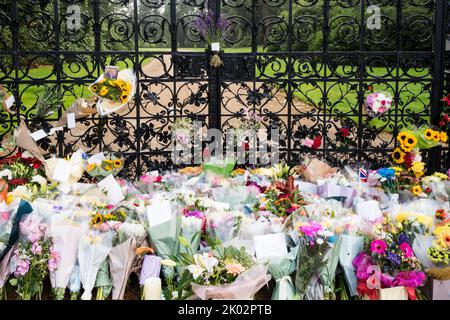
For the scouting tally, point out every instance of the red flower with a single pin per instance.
(246, 146)
(428, 190)
(36, 166)
(17, 182)
(370, 88)
(158, 179)
(344, 132)
(442, 123)
(317, 142)
(445, 116)
(447, 100)
(19, 154)
(409, 159)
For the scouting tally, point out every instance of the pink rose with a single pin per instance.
(308, 143)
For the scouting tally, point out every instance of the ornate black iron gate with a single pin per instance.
(304, 65)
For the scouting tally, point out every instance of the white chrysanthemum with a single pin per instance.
(6, 174)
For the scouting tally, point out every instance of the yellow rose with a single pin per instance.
(444, 137)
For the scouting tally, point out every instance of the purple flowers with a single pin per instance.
(402, 238)
(394, 259)
(310, 230)
(209, 28)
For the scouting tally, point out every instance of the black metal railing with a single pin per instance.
(305, 66)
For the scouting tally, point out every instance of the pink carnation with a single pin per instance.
(311, 229)
(36, 248)
(54, 260)
(23, 266)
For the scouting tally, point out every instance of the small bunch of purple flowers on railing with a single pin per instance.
(212, 31)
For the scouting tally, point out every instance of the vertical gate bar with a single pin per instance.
(438, 79)
(289, 93)
(214, 101)
(137, 96)
(361, 72)
(58, 63)
(254, 29)
(97, 55)
(326, 36)
(15, 59)
(398, 56)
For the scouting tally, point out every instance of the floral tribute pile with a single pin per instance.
(218, 231)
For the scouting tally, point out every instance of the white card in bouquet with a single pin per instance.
(96, 158)
(112, 189)
(306, 186)
(370, 210)
(71, 120)
(270, 245)
(9, 102)
(38, 135)
(215, 46)
(62, 171)
(159, 211)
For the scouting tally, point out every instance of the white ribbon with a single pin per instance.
(284, 284)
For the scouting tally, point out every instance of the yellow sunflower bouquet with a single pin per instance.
(114, 94)
(99, 166)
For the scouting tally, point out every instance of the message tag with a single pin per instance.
(9, 102)
(306, 187)
(96, 158)
(215, 46)
(159, 211)
(62, 171)
(38, 135)
(370, 210)
(270, 245)
(71, 120)
(113, 190)
(57, 208)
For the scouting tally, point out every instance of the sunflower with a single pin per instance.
(437, 136)
(91, 167)
(444, 137)
(94, 88)
(398, 156)
(117, 163)
(418, 168)
(104, 91)
(124, 98)
(402, 136)
(97, 219)
(429, 134)
(416, 190)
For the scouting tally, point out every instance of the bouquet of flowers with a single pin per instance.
(439, 252)
(225, 273)
(314, 244)
(182, 130)
(388, 261)
(113, 93)
(212, 30)
(378, 103)
(32, 260)
(102, 165)
(20, 170)
(282, 198)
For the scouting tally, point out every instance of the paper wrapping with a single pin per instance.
(104, 106)
(65, 240)
(151, 267)
(244, 287)
(351, 246)
(440, 290)
(25, 141)
(121, 259)
(395, 293)
(315, 169)
(329, 190)
(81, 110)
(281, 268)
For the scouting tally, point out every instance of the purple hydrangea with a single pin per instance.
(394, 259)
(402, 238)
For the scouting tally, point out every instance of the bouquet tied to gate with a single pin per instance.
(212, 31)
